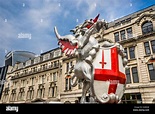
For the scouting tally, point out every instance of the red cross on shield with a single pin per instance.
(109, 72)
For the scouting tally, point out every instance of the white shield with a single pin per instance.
(109, 76)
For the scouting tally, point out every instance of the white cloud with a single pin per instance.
(38, 17)
(28, 21)
(109, 9)
(45, 12)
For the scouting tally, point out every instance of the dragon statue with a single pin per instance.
(100, 67)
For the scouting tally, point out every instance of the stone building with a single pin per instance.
(35, 80)
(136, 32)
(46, 78)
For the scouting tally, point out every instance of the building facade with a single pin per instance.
(46, 78)
(136, 33)
(27, 81)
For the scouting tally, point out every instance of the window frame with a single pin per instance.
(128, 76)
(68, 86)
(133, 73)
(153, 46)
(132, 52)
(147, 27)
(116, 36)
(129, 32)
(146, 47)
(123, 35)
(153, 66)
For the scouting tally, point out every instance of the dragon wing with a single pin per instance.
(68, 43)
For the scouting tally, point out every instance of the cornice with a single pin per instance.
(152, 16)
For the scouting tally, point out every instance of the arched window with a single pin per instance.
(147, 27)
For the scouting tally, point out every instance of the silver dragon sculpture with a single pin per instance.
(84, 46)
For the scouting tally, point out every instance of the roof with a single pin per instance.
(132, 15)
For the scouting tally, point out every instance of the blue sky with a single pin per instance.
(35, 20)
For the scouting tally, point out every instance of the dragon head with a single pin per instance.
(81, 28)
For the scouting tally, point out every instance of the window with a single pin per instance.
(123, 35)
(68, 83)
(44, 66)
(51, 64)
(147, 48)
(151, 69)
(153, 46)
(123, 21)
(135, 75)
(55, 64)
(132, 75)
(57, 53)
(132, 52)
(117, 24)
(147, 27)
(41, 91)
(71, 63)
(21, 94)
(34, 69)
(116, 35)
(32, 81)
(127, 72)
(131, 98)
(42, 79)
(36, 60)
(23, 82)
(67, 67)
(125, 51)
(128, 20)
(25, 71)
(15, 84)
(51, 77)
(30, 93)
(46, 56)
(129, 33)
(54, 76)
(52, 90)
(52, 54)
(28, 63)
(13, 95)
(5, 95)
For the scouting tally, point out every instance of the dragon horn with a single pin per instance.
(56, 33)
